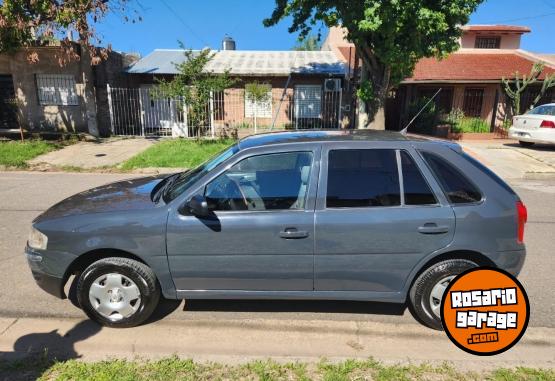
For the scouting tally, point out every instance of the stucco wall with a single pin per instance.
(508, 41)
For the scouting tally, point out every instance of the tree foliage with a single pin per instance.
(258, 93)
(30, 23)
(194, 85)
(390, 35)
(308, 43)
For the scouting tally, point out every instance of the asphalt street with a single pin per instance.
(24, 195)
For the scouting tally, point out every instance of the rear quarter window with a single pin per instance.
(457, 187)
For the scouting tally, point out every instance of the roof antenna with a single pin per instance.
(404, 130)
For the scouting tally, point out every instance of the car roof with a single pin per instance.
(284, 137)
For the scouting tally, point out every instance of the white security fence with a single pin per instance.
(136, 111)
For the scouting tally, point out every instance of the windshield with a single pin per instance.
(186, 179)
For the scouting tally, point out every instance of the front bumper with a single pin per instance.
(50, 283)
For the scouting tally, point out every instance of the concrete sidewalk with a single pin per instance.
(89, 155)
(235, 341)
(510, 161)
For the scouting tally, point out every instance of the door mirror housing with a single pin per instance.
(197, 206)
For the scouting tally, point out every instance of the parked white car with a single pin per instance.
(536, 126)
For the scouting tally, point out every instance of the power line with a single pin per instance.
(523, 18)
(180, 19)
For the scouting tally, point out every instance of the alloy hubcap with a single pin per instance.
(437, 294)
(114, 296)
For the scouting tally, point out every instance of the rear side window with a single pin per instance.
(457, 187)
(363, 178)
(417, 190)
(488, 172)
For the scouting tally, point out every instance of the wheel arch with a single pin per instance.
(86, 259)
(471, 255)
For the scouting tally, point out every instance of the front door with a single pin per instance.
(260, 236)
(8, 108)
(378, 218)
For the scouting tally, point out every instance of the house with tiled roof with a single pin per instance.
(469, 79)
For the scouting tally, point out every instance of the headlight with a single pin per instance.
(37, 240)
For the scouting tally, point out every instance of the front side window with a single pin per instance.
(265, 182)
(57, 90)
(458, 189)
(363, 178)
(417, 190)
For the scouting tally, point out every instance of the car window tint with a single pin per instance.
(457, 187)
(263, 182)
(417, 190)
(362, 178)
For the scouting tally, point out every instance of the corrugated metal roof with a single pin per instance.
(246, 62)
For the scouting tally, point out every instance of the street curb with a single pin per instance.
(237, 341)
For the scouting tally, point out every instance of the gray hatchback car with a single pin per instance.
(330, 215)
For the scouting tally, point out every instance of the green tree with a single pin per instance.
(311, 43)
(515, 87)
(258, 94)
(194, 85)
(390, 37)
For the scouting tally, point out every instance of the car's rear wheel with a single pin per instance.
(526, 144)
(426, 293)
(118, 292)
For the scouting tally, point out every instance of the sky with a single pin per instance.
(204, 23)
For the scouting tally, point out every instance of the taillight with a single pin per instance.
(522, 218)
(547, 124)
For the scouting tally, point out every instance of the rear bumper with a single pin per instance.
(541, 135)
(510, 261)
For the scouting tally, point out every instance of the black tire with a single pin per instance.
(139, 273)
(526, 144)
(422, 287)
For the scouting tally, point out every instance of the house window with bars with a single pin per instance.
(56, 90)
(473, 99)
(263, 108)
(488, 42)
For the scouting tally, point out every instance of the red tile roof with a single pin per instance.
(496, 28)
(473, 67)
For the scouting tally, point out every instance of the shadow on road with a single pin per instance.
(317, 306)
(34, 353)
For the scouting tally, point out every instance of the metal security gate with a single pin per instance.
(138, 112)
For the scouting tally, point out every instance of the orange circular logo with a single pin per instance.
(485, 311)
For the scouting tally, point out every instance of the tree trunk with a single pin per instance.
(371, 113)
(88, 91)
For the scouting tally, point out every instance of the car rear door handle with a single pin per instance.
(293, 233)
(432, 228)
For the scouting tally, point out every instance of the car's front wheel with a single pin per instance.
(118, 292)
(426, 293)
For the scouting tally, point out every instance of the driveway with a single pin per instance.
(511, 161)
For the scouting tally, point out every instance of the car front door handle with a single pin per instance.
(293, 233)
(431, 228)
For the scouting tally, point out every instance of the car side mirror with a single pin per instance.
(197, 206)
